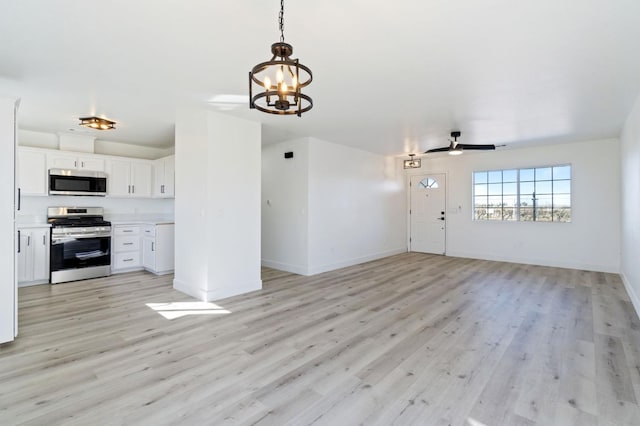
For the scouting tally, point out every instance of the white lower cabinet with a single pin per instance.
(125, 248)
(157, 248)
(147, 246)
(33, 255)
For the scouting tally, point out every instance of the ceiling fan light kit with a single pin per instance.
(279, 81)
(97, 123)
(456, 148)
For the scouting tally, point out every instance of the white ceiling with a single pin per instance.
(389, 77)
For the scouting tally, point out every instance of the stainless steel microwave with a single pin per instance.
(77, 182)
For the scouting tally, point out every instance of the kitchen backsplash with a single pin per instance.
(34, 209)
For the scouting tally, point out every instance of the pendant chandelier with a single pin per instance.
(97, 123)
(282, 95)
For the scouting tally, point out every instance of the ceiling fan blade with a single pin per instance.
(477, 147)
(446, 148)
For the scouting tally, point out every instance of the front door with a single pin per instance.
(427, 213)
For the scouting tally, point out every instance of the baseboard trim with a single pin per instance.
(280, 266)
(217, 294)
(635, 300)
(539, 262)
(354, 261)
(237, 289)
(186, 289)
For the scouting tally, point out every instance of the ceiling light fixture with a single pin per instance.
(97, 123)
(412, 163)
(283, 94)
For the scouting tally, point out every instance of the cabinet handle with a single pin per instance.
(75, 164)
(28, 240)
(19, 198)
(19, 238)
(127, 244)
(153, 246)
(162, 190)
(44, 240)
(127, 260)
(82, 164)
(133, 189)
(128, 189)
(127, 230)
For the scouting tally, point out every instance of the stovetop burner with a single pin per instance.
(76, 217)
(78, 221)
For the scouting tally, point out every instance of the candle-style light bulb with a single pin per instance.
(279, 75)
(283, 87)
(294, 82)
(267, 83)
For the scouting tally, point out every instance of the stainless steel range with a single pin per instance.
(80, 243)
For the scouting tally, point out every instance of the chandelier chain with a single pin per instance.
(281, 21)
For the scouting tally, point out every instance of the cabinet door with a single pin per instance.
(164, 248)
(25, 271)
(158, 178)
(118, 182)
(169, 177)
(32, 172)
(164, 174)
(62, 161)
(88, 163)
(141, 179)
(40, 247)
(148, 253)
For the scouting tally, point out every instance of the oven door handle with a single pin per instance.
(57, 238)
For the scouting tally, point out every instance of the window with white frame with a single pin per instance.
(540, 194)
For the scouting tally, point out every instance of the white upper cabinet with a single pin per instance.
(126, 177)
(32, 172)
(164, 177)
(129, 178)
(74, 161)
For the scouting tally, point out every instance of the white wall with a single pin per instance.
(217, 206)
(331, 206)
(7, 230)
(191, 186)
(591, 241)
(630, 215)
(284, 206)
(357, 209)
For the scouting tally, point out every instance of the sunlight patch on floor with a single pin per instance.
(173, 310)
(473, 422)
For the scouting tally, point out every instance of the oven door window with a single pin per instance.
(73, 253)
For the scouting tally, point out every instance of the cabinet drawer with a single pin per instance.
(149, 231)
(126, 230)
(126, 243)
(127, 260)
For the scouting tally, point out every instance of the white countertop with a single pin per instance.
(32, 225)
(139, 219)
(142, 222)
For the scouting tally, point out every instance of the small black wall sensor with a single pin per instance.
(288, 154)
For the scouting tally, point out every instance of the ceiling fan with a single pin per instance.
(456, 148)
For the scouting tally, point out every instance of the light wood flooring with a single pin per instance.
(412, 339)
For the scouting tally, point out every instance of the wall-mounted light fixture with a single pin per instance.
(97, 123)
(283, 94)
(412, 163)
